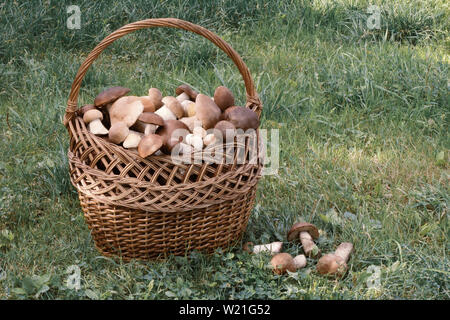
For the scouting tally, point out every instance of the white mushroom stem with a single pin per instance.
(199, 131)
(195, 141)
(191, 122)
(97, 127)
(165, 113)
(182, 97)
(209, 139)
(273, 248)
(186, 107)
(185, 148)
(344, 250)
(150, 128)
(132, 140)
(307, 242)
(300, 261)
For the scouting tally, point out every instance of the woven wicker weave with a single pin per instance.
(148, 208)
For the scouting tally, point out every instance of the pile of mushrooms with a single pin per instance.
(148, 123)
(333, 264)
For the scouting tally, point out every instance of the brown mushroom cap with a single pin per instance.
(207, 111)
(118, 132)
(248, 247)
(91, 115)
(84, 109)
(188, 90)
(155, 97)
(166, 132)
(299, 227)
(148, 104)
(149, 144)
(110, 95)
(332, 264)
(191, 109)
(174, 105)
(126, 109)
(225, 127)
(282, 262)
(223, 97)
(241, 117)
(151, 118)
(147, 118)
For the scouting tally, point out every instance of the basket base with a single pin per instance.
(135, 234)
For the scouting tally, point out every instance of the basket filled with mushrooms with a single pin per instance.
(161, 173)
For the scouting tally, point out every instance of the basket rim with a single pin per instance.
(167, 158)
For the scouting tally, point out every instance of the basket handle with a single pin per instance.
(253, 101)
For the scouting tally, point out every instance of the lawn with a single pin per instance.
(363, 119)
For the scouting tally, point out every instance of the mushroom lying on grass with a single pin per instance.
(306, 233)
(335, 263)
(283, 262)
(272, 248)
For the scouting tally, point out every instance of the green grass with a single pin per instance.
(363, 118)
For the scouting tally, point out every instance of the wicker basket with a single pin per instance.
(148, 208)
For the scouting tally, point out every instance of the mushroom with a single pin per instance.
(118, 132)
(125, 109)
(226, 129)
(171, 110)
(104, 100)
(148, 104)
(191, 122)
(155, 97)
(207, 111)
(306, 233)
(283, 262)
(149, 144)
(199, 131)
(185, 92)
(182, 148)
(188, 108)
(85, 109)
(93, 118)
(272, 248)
(148, 122)
(223, 97)
(132, 140)
(195, 141)
(335, 263)
(300, 261)
(110, 95)
(209, 139)
(172, 132)
(242, 118)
